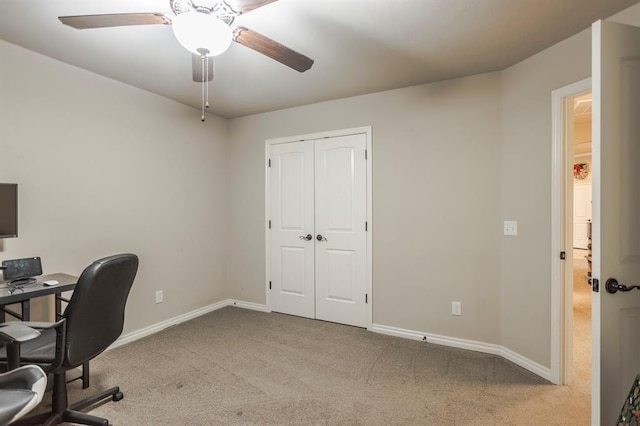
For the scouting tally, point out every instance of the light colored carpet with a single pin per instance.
(236, 366)
(581, 328)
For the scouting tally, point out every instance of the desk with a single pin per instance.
(23, 294)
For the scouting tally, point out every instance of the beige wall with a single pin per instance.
(526, 191)
(436, 201)
(102, 168)
(441, 192)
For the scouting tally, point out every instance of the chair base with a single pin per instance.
(72, 415)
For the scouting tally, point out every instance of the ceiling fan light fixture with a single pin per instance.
(200, 32)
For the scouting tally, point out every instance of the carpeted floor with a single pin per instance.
(581, 328)
(236, 366)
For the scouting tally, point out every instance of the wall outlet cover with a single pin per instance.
(511, 228)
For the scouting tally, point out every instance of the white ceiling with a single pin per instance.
(359, 46)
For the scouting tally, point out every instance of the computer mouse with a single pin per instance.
(50, 282)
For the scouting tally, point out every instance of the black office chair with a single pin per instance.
(92, 321)
(21, 390)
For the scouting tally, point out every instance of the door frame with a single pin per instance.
(369, 209)
(561, 235)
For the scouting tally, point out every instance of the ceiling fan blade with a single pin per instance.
(272, 49)
(114, 20)
(244, 6)
(196, 64)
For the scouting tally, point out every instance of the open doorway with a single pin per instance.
(579, 109)
(570, 291)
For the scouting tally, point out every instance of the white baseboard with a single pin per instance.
(249, 305)
(152, 329)
(470, 345)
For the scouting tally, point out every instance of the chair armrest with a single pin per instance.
(40, 325)
(16, 332)
(20, 329)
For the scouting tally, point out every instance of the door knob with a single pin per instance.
(321, 238)
(613, 286)
(308, 237)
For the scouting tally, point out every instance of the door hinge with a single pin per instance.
(269, 162)
(269, 285)
(563, 255)
(595, 285)
(269, 223)
(365, 154)
(366, 226)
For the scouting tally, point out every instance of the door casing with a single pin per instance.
(367, 131)
(562, 234)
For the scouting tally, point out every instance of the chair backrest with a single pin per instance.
(95, 313)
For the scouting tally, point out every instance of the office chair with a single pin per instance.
(22, 388)
(92, 321)
(20, 391)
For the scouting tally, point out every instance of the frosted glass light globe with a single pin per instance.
(196, 31)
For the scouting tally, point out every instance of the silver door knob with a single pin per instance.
(321, 238)
(308, 237)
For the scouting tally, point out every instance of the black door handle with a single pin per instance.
(308, 237)
(321, 238)
(613, 286)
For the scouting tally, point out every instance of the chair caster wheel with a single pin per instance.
(117, 396)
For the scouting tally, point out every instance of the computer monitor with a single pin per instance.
(8, 210)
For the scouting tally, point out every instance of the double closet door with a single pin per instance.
(317, 240)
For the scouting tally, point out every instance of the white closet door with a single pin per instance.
(341, 242)
(291, 213)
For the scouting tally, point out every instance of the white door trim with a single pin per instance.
(559, 303)
(311, 136)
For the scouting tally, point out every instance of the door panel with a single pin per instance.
(291, 212)
(340, 190)
(292, 270)
(616, 201)
(293, 189)
(340, 267)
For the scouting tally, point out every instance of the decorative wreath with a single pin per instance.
(580, 171)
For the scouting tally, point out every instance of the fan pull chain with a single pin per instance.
(203, 59)
(206, 103)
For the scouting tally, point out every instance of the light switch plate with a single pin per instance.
(511, 228)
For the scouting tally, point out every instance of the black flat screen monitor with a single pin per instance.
(8, 210)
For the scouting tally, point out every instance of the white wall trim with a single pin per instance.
(558, 322)
(155, 328)
(248, 305)
(470, 345)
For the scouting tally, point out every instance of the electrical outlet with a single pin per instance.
(159, 296)
(456, 308)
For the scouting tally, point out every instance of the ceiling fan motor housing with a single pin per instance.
(218, 8)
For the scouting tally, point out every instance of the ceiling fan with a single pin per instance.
(216, 18)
